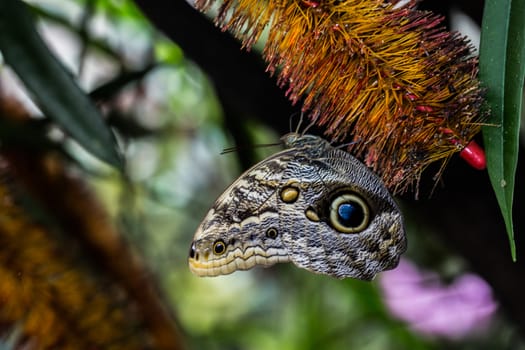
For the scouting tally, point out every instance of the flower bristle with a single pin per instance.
(387, 78)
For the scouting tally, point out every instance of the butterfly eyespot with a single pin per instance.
(289, 194)
(271, 233)
(311, 215)
(193, 252)
(219, 247)
(349, 213)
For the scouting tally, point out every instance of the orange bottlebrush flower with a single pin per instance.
(68, 279)
(63, 289)
(55, 301)
(388, 78)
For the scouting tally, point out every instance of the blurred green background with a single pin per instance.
(172, 123)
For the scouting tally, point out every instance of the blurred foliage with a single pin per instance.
(169, 127)
(63, 101)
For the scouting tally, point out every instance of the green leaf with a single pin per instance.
(502, 70)
(53, 88)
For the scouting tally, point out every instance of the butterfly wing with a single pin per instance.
(238, 232)
(344, 222)
(311, 204)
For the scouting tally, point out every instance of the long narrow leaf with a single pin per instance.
(502, 63)
(53, 88)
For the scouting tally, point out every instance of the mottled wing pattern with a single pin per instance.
(247, 195)
(311, 204)
(316, 245)
(238, 220)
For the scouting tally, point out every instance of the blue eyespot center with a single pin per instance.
(350, 214)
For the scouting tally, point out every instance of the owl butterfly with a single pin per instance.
(311, 204)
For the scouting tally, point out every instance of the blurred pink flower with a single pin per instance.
(432, 308)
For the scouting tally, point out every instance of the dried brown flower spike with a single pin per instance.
(388, 78)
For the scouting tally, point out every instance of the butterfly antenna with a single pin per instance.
(290, 122)
(312, 123)
(236, 148)
(345, 145)
(298, 128)
(300, 123)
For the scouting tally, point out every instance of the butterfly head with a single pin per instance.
(296, 140)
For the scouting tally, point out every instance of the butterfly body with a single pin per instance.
(310, 204)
